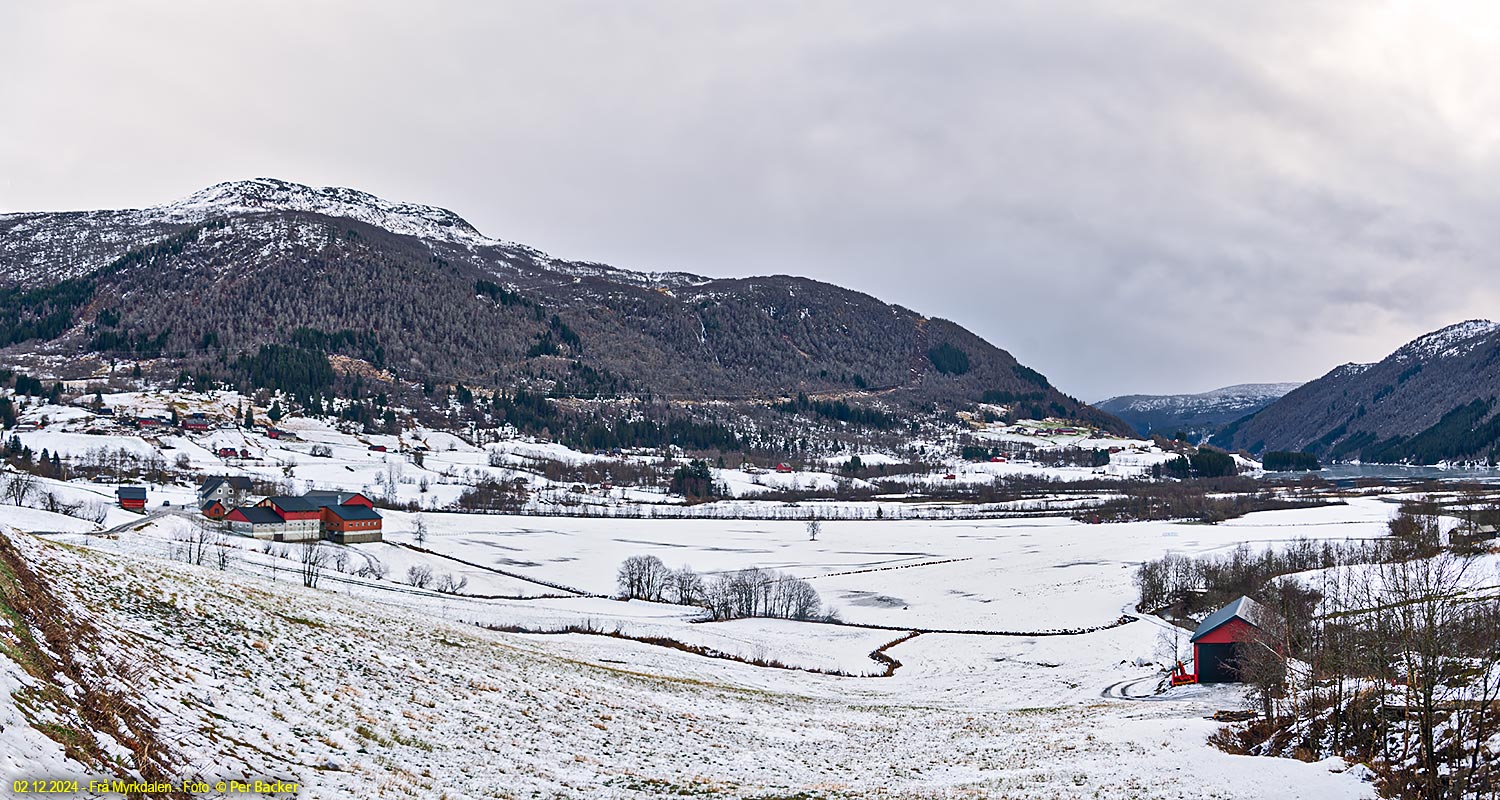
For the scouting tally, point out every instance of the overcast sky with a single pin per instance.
(1130, 197)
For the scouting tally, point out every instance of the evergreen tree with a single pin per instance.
(274, 412)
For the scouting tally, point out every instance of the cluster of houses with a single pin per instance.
(344, 517)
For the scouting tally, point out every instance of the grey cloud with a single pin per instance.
(1130, 197)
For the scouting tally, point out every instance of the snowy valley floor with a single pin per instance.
(352, 697)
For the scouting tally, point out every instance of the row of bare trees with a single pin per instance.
(1396, 665)
(24, 488)
(750, 592)
(1384, 652)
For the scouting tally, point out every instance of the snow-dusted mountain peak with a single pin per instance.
(1454, 340)
(271, 194)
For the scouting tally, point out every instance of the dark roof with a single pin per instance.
(354, 512)
(1244, 609)
(260, 516)
(289, 503)
(210, 504)
(328, 497)
(131, 493)
(236, 481)
(322, 499)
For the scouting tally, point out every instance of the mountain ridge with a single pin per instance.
(1196, 415)
(1431, 400)
(205, 281)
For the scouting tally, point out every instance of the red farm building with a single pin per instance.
(1218, 640)
(214, 509)
(132, 497)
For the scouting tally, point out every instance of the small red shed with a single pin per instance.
(1218, 639)
(132, 497)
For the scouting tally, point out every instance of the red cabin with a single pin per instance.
(784, 468)
(227, 452)
(132, 497)
(214, 510)
(1217, 641)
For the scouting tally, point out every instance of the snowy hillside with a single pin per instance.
(1430, 401)
(358, 689)
(1199, 414)
(1454, 340)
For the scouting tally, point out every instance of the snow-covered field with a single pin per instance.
(371, 687)
(1009, 574)
(377, 699)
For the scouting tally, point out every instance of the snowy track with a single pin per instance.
(1138, 689)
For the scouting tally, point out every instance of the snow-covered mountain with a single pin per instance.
(270, 194)
(247, 264)
(1431, 400)
(37, 247)
(1197, 415)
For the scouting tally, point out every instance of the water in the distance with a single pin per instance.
(1397, 472)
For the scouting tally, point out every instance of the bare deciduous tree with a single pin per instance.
(193, 545)
(643, 578)
(18, 488)
(419, 575)
(223, 551)
(313, 559)
(687, 587)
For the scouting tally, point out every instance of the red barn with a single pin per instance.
(1217, 642)
(214, 510)
(351, 523)
(132, 497)
(784, 468)
(291, 508)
